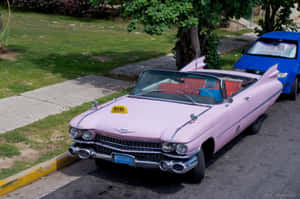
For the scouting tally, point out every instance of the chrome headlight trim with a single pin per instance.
(168, 147)
(181, 149)
(88, 135)
(74, 133)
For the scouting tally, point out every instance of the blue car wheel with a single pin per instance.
(298, 85)
(294, 90)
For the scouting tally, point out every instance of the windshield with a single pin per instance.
(181, 87)
(274, 48)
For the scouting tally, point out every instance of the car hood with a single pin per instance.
(264, 63)
(146, 119)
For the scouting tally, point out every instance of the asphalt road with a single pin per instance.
(263, 166)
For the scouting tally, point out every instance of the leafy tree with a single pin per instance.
(277, 15)
(195, 20)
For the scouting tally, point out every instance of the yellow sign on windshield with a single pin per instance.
(119, 109)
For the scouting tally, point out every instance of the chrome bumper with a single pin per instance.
(176, 166)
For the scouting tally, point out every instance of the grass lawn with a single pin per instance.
(39, 141)
(229, 59)
(47, 138)
(53, 49)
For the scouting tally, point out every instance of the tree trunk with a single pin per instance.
(187, 47)
(267, 26)
(194, 34)
(270, 16)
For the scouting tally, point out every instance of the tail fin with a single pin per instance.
(271, 73)
(195, 65)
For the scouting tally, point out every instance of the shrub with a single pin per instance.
(209, 43)
(78, 8)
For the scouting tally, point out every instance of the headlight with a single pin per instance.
(74, 133)
(239, 69)
(282, 75)
(167, 147)
(87, 135)
(181, 149)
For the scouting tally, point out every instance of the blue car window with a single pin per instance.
(274, 48)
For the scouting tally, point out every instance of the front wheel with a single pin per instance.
(198, 172)
(294, 90)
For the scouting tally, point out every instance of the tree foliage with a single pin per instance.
(277, 15)
(195, 20)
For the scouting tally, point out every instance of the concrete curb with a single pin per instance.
(25, 177)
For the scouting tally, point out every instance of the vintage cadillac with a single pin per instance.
(175, 121)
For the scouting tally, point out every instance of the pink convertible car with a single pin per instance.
(173, 120)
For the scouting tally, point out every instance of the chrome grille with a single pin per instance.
(128, 144)
(139, 156)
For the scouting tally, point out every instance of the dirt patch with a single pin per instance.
(26, 155)
(9, 55)
(58, 136)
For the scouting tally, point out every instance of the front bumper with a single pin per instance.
(174, 165)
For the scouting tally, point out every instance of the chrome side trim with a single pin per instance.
(188, 122)
(249, 113)
(94, 111)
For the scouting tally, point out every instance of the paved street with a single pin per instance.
(263, 166)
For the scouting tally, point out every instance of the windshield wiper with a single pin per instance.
(177, 91)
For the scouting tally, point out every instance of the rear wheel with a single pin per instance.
(198, 172)
(294, 90)
(255, 127)
(298, 89)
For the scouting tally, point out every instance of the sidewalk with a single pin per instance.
(132, 71)
(18, 111)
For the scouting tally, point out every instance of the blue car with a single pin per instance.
(280, 48)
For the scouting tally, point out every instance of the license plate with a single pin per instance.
(123, 159)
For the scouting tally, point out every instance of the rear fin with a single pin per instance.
(271, 73)
(195, 65)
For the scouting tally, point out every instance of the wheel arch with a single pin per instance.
(208, 148)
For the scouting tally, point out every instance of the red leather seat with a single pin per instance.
(189, 86)
(171, 88)
(232, 87)
(192, 84)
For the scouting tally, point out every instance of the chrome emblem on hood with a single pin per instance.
(124, 131)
